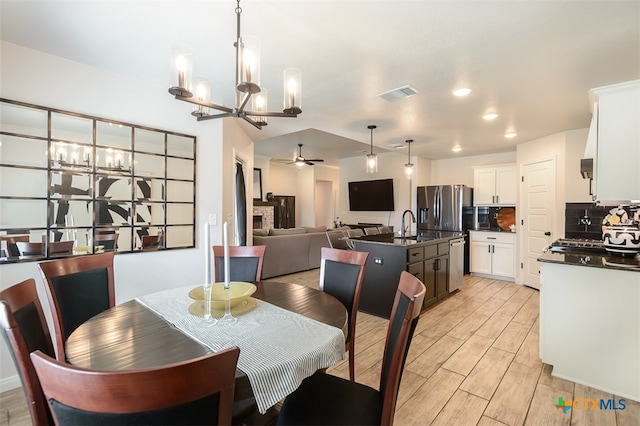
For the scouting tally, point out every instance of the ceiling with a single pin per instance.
(532, 62)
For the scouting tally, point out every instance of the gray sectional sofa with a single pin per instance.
(290, 250)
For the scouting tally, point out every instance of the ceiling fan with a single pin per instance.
(300, 160)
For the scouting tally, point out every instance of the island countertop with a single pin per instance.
(411, 239)
(593, 260)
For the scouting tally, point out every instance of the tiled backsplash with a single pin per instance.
(584, 220)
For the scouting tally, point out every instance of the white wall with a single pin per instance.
(30, 76)
(390, 165)
(452, 171)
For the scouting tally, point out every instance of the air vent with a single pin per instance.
(397, 145)
(399, 93)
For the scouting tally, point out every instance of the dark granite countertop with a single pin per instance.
(424, 237)
(593, 260)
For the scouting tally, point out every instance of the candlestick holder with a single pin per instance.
(227, 319)
(208, 320)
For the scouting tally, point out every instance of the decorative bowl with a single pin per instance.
(240, 291)
(622, 240)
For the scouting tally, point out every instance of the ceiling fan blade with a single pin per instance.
(309, 163)
(317, 160)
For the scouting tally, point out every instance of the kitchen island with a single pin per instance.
(590, 320)
(425, 256)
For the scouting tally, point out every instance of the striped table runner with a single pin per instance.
(278, 348)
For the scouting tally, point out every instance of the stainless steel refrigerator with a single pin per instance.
(442, 208)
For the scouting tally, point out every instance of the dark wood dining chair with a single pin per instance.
(150, 242)
(11, 240)
(58, 248)
(109, 241)
(25, 330)
(324, 399)
(194, 392)
(77, 288)
(341, 274)
(337, 239)
(245, 263)
(31, 249)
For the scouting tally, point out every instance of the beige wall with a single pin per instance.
(30, 76)
(459, 170)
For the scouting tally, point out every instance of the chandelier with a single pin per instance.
(372, 159)
(247, 85)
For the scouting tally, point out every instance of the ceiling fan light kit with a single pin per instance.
(247, 84)
(300, 161)
(372, 159)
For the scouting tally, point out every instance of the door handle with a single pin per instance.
(548, 233)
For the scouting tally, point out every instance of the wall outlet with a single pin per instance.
(213, 219)
(377, 260)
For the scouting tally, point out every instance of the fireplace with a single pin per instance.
(257, 221)
(263, 215)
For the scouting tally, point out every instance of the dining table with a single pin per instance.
(157, 330)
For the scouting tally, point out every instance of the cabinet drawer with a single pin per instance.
(494, 237)
(416, 270)
(414, 254)
(430, 251)
(443, 248)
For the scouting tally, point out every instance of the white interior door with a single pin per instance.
(323, 203)
(538, 195)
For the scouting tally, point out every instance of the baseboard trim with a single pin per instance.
(10, 383)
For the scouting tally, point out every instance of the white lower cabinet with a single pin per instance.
(493, 254)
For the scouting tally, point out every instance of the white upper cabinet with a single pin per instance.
(617, 163)
(495, 186)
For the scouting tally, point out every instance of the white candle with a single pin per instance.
(207, 254)
(227, 272)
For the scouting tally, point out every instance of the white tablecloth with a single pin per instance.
(278, 348)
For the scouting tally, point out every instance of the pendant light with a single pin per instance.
(372, 159)
(408, 168)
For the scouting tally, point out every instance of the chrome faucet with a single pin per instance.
(403, 230)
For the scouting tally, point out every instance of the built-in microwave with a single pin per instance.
(484, 217)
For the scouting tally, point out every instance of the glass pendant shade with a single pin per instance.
(181, 70)
(292, 91)
(408, 170)
(372, 163)
(249, 66)
(202, 90)
(372, 159)
(259, 104)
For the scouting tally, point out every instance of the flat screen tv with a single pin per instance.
(371, 195)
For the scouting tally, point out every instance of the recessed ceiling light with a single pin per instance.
(456, 148)
(461, 91)
(510, 135)
(490, 116)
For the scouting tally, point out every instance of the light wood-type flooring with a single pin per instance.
(473, 361)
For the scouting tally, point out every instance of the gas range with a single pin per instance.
(578, 245)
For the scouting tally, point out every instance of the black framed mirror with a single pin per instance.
(70, 177)
(257, 184)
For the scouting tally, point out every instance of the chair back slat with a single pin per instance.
(78, 288)
(341, 275)
(178, 393)
(402, 324)
(24, 328)
(245, 263)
